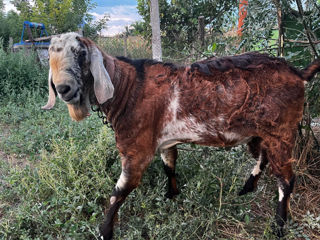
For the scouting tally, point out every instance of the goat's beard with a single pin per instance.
(78, 112)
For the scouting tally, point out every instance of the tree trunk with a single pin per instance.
(201, 31)
(280, 28)
(155, 25)
(125, 39)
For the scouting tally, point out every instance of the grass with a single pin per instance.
(56, 177)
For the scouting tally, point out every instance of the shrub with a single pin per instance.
(20, 71)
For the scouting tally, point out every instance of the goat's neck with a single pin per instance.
(123, 79)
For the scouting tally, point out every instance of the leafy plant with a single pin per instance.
(20, 71)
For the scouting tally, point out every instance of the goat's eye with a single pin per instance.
(82, 58)
(82, 53)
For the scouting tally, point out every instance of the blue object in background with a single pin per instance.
(32, 25)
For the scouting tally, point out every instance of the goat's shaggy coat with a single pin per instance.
(250, 98)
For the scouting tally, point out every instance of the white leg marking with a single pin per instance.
(256, 170)
(121, 181)
(113, 200)
(281, 194)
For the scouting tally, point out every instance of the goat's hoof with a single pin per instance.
(106, 234)
(242, 192)
(245, 191)
(278, 231)
(171, 194)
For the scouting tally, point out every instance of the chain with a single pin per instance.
(102, 116)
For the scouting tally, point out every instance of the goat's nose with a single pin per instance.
(63, 89)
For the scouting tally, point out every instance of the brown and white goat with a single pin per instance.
(250, 98)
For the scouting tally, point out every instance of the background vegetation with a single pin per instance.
(56, 175)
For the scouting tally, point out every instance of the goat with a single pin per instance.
(153, 106)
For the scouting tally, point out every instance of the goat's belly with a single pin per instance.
(198, 134)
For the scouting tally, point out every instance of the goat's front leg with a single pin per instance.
(169, 157)
(260, 154)
(132, 171)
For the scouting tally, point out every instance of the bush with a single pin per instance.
(20, 71)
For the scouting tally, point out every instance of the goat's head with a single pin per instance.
(77, 75)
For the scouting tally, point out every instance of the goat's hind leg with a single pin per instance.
(286, 180)
(260, 154)
(279, 155)
(169, 157)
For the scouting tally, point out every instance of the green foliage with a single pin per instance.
(259, 26)
(20, 71)
(11, 26)
(58, 16)
(179, 21)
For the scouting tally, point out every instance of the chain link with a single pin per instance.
(102, 116)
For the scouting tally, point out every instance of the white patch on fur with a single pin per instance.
(256, 170)
(177, 130)
(66, 41)
(231, 136)
(113, 200)
(121, 181)
(281, 194)
(166, 158)
(239, 139)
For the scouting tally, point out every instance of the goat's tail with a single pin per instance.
(309, 72)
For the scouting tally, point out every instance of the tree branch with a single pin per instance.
(301, 41)
(308, 32)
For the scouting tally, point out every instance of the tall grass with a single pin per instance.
(20, 71)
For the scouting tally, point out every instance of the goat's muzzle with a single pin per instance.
(68, 94)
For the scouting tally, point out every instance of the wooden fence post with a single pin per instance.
(10, 46)
(201, 31)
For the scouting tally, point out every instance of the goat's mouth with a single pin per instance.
(72, 98)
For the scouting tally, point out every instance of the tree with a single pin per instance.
(282, 29)
(101, 23)
(10, 26)
(1, 6)
(179, 20)
(58, 15)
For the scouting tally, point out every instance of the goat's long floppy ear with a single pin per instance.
(103, 87)
(52, 94)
